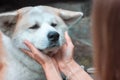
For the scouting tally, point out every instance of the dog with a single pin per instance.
(43, 26)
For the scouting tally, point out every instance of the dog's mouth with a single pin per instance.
(44, 51)
(48, 51)
(51, 49)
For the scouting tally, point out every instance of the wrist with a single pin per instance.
(70, 67)
(49, 64)
(72, 70)
(65, 67)
(51, 68)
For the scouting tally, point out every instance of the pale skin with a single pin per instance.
(61, 62)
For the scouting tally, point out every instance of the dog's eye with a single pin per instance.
(53, 24)
(36, 26)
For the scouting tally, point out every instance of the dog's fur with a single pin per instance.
(33, 24)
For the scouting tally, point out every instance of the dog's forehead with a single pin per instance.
(38, 10)
(35, 11)
(39, 13)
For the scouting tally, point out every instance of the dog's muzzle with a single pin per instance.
(53, 38)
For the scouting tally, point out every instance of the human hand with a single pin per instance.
(34, 53)
(48, 63)
(66, 52)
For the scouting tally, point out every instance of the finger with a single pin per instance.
(68, 39)
(33, 55)
(30, 46)
(27, 52)
(35, 51)
(37, 55)
(63, 48)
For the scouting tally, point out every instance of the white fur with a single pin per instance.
(19, 65)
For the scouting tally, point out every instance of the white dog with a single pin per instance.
(43, 26)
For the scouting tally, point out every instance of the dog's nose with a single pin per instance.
(53, 36)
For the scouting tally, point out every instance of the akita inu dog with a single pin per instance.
(43, 26)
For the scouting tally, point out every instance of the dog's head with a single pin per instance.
(43, 26)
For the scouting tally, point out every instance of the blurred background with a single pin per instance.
(80, 32)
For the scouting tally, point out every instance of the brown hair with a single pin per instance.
(106, 38)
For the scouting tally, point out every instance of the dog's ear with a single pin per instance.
(70, 17)
(7, 22)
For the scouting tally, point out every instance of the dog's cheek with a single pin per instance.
(18, 41)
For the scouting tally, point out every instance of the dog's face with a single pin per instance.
(43, 26)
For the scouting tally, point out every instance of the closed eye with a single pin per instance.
(36, 26)
(53, 24)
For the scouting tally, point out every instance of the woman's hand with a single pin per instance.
(40, 57)
(67, 64)
(66, 52)
(48, 63)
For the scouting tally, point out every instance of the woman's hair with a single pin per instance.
(106, 38)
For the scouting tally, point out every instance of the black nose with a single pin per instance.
(53, 36)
